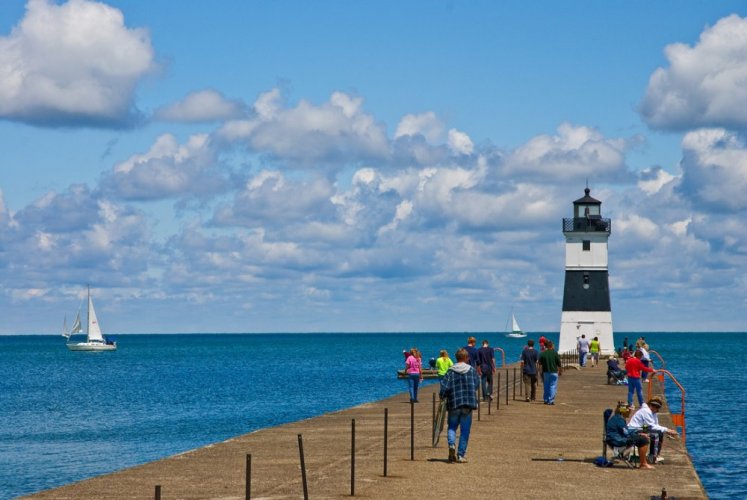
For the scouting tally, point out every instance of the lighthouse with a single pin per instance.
(586, 295)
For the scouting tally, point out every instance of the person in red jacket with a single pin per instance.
(634, 366)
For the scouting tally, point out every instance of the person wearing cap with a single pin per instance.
(647, 420)
(619, 433)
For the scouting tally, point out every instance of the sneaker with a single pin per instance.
(452, 454)
(461, 460)
(659, 460)
(527, 400)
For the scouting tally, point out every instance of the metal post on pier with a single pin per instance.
(507, 391)
(303, 469)
(248, 492)
(412, 430)
(352, 458)
(386, 439)
(498, 392)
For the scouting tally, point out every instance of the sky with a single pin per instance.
(336, 166)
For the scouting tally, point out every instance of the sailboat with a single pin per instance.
(95, 340)
(515, 328)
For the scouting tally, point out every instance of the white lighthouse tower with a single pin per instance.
(586, 297)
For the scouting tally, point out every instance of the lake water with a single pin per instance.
(67, 415)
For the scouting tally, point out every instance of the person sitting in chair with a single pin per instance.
(614, 372)
(619, 434)
(647, 420)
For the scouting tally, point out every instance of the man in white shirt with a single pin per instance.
(647, 420)
(583, 350)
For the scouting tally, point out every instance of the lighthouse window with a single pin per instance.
(586, 245)
(586, 281)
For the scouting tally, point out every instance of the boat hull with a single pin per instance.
(91, 346)
(516, 335)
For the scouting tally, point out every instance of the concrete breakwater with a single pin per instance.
(517, 450)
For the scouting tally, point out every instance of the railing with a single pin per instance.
(569, 357)
(503, 356)
(663, 364)
(678, 419)
(587, 225)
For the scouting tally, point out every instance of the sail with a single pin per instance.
(65, 333)
(77, 327)
(94, 330)
(515, 325)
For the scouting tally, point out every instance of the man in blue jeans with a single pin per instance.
(459, 387)
(551, 370)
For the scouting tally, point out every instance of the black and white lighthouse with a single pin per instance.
(586, 297)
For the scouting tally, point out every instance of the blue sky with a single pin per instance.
(368, 166)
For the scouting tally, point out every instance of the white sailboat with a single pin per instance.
(95, 340)
(516, 331)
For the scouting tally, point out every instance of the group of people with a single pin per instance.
(643, 431)
(475, 367)
(546, 363)
(586, 348)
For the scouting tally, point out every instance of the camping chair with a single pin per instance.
(618, 453)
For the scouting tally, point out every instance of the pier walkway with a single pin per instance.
(514, 452)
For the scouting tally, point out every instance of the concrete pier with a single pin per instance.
(519, 451)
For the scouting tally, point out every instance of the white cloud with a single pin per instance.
(72, 64)
(704, 85)
(653, 179)
(576, 152)
(460, 143)
(426, 124)
(714, 169)
(335, 132)
(168, 169)
(202, 106)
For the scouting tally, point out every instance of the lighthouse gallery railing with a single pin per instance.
(587, 224)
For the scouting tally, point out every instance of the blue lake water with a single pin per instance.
(67, 415)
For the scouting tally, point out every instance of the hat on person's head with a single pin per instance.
(656, 401)
(611, 357)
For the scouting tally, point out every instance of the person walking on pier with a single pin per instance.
(529, 359)
(583, 350)
(551, 370)
(634, 367)
(459, 387)
(594, 348)
(472, 352)
(486, 362)
(443, 363)
(414, 369)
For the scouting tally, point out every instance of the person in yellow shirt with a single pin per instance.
(594, 348)
(443, 363)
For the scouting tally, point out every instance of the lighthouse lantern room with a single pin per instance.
(586, 295)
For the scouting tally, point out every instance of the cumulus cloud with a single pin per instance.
(575, 152)
(704, 85)
(75, 236)
(426, 124)
(202, 106)
(72, 64)
(714, 169)
(460, 143)
(335, 132)
(168, 169)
